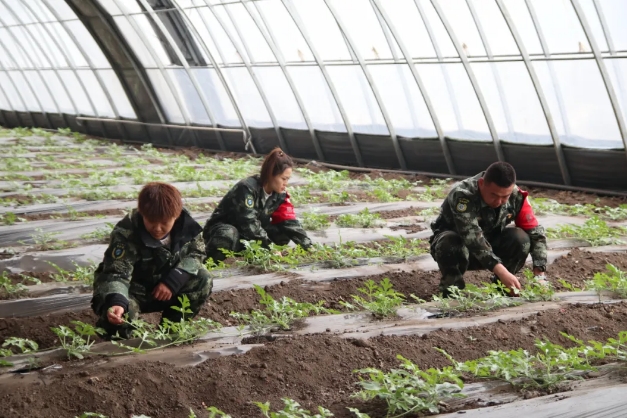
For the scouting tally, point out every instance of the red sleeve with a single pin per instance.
(526, 219)
(285, 212)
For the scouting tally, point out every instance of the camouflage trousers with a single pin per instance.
(512, 246)
(227, 236)
(197, 289)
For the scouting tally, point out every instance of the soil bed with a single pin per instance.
(423, 284)
(313, 370)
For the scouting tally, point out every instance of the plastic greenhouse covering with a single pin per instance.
(438, 86)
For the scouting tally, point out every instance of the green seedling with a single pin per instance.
(78, 341)
(8, 286)
(615, 280)
(362, 219)
(409, 390)
(84, 274)
(475, 298)
(313, 221)
(594, 230)
(23, 344)
(278, 314)
(101, 234)
(292, 409)
(380, 299)
(175, 333)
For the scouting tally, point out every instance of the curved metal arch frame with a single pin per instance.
(87, 58)
(54, 69)
(620, 120)
(271, 41)
(473, 81)
(423, 90)
(190, 74)
(70, 63)
(21, 71)
(547, 55)
(493, 67)
(160, 66)
(440, 57)
(220, 75)
(12, 108)
(561, 160)
(246, 59)
(349, 129)
(373, 86)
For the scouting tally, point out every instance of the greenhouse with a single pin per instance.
(313, 208)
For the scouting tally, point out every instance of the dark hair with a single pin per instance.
(274, 164)
(501, 173)
(159, 201)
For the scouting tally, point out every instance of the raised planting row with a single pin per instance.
(380, 294)
(324, 370)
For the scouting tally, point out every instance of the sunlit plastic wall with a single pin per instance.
(536, 72)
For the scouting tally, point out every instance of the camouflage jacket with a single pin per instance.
(465, 212)
(136, 260)
(244, 208)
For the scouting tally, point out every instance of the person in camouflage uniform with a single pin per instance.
(155, 255)
(257, 208)
(471, 231)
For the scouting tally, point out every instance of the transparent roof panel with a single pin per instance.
(355, 93)
(213, 31)
(26, 90)
(166, 97)
(460, 20)
(401, 96)
(87, 43)
(592, 17)
(442, 40)
(117, 93)
(455, 101)
(189, 97)
(286, 35)
(229, 31)
(61, 9)
(41, 90)
(94, 90)
(497, 34)
(60, 94)
(40, 10)
(196, 24)
(318, 98)
(614, 12)
(407, 22)
(364, 29)
(11, 91)
(513, 102)
(281, 98)
(528, 31)
(322, 29)
(217, 96)
(135, 42)
(77, 93)
(252, 36)
(560, 26)
(247, 97)
(579, 103)
(618, 74)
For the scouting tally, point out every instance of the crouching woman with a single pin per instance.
(257, 208)
(155, 255)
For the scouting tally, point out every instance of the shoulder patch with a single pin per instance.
(462, 204)
(249, 201)
(118, 251)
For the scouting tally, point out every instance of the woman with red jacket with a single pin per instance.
(257, 208)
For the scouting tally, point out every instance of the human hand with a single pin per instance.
(162, 292)
(278, 253)
(114, 315)
(508, 279)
